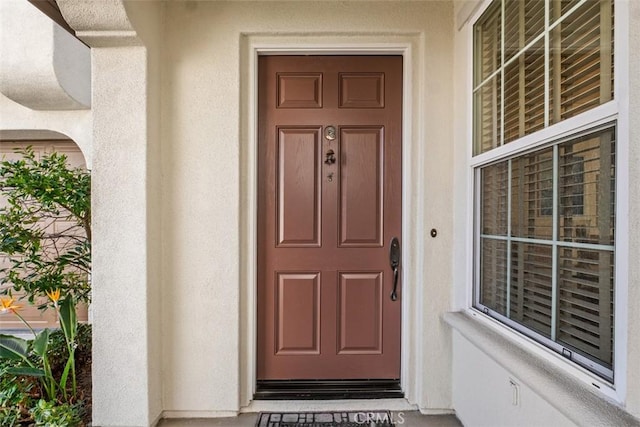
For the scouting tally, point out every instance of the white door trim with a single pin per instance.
(253, 46)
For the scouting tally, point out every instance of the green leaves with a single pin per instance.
(45, 225)
(68, 319)
(53, 414)
(13, 348)
(45, 230)
(41, 342)
(26, 370)
(69, 325)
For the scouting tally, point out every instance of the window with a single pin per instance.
(545, 204)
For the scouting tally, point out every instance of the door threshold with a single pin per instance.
(327, 389)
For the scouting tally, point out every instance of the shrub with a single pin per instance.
(39, 193)
(44, 260)
(15, 395)
(52, 414)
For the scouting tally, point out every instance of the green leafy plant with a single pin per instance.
(18, 349)
(45, 233)
(10, 416)
(51, 414)
(41, 193)
(14, 396)
(59, 353)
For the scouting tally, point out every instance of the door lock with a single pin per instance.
(330, 133)
(330, 157)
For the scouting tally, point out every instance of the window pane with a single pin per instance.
(487, 37)
(581, 61)
(487, 120)
(494, 199)
(586, 302)
(524, 94)
(524, 21)
(579, 314)
(493, 275)
(559, 8)
(532, 195)
(531, 287)
(587, 189)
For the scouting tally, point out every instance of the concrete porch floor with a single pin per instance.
(410, 418)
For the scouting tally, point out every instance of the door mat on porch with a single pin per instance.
(326, 419)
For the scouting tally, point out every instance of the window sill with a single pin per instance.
(578, 401)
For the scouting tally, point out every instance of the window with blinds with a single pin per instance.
(545, 250)
(530, 73)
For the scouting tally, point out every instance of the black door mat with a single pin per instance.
(326, 419)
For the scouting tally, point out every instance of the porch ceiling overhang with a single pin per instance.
(42, 66)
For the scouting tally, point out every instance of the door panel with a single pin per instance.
(298, 187)
(329, 202)
(361, 90)
(361, 186)
(299, 90)
(298, 329)
(360, 313)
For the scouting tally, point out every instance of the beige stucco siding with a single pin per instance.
(632, 376)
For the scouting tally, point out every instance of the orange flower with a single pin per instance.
(54, 295)
(8, 305)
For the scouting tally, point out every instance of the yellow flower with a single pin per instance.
(8, 305)
(54, 295)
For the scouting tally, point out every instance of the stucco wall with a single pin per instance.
(125, 208)
(202, 179)
(41, 65)
(40, 97)
(495, 397)
(19, 122)
(633, 297)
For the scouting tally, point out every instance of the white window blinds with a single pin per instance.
(533, 74)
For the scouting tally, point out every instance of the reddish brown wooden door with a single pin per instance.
(324, 279)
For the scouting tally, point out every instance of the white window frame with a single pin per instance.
(615, 111)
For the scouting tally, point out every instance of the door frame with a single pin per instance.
(252, 46)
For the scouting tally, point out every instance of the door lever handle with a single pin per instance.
(394, 261)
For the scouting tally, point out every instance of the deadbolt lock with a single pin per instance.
(330, 133)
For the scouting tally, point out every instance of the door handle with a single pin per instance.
(394, 261)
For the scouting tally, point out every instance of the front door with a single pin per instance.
(329, 204)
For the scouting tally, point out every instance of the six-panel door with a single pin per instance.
(329, 203)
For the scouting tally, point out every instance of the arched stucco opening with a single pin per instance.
(42, 136)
